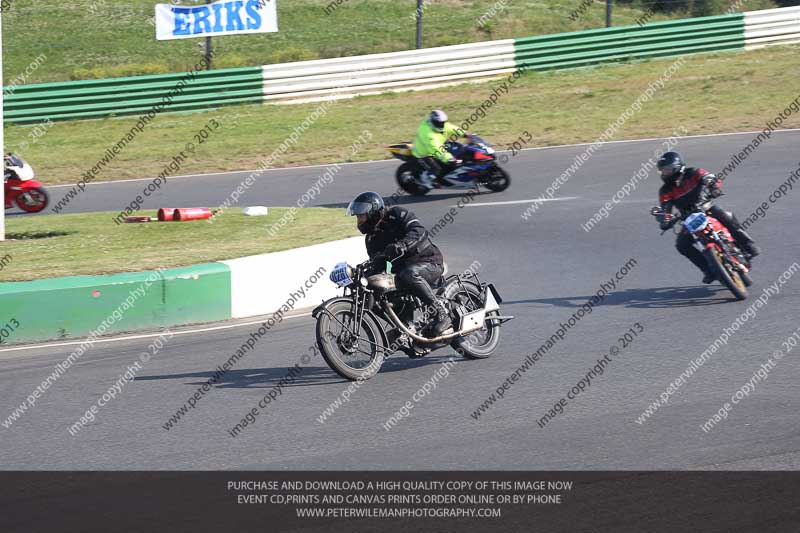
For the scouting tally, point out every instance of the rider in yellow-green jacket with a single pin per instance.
(429, 145)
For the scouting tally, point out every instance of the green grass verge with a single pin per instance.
(107, 38)
(85, 244)
(723, 92)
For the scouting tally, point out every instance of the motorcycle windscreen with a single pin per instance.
(14, 160)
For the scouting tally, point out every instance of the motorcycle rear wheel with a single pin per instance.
(407, 176)
(353, 355)
(37, 202)
(729, 277)
(481, 343)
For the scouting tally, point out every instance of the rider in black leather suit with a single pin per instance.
(396, 232)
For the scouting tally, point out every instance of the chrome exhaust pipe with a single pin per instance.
(388, 308)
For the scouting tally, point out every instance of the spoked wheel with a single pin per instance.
(33, 200)
(498, 180)
(352, 351)
(729, 276)
(406, 177)
(480, 343)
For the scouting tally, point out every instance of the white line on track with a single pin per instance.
(725, 134)
(145, 336)
(532, 200)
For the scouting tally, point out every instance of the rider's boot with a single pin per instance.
(743, 240)
(749, 248)
(426, 179)
(442, 322)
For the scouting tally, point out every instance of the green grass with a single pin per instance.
(107, 38)
(84, 244)
(723, 92)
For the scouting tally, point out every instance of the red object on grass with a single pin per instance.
(191, 213)
(165, 214)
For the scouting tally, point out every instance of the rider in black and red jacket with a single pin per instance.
(686, 189)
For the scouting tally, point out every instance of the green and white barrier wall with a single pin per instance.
(398, 71)
(79, 306)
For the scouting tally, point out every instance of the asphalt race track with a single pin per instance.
(545, 268)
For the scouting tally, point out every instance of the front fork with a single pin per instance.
(726, 255)
(359, 298)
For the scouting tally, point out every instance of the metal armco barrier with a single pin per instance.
(393, 71)
(132, 95)
(771, 26)
(344, 77)
(658, 39)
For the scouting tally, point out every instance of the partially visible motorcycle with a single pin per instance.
(374, 318)
(480, 168)
(717, 245)
(20, 187)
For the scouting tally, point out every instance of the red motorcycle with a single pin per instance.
(20, 187)
(719, 248)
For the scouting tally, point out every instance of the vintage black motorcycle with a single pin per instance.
(374, 319)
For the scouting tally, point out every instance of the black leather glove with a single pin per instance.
(394, 250)
(666, 221)
(374, 265)
(712, 185)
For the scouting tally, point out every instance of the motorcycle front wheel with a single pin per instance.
(33, 200)
(729, 277)
(355, 352)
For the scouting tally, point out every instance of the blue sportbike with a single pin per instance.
(479, 168)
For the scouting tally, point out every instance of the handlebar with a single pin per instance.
(369, 263)
(657, 211)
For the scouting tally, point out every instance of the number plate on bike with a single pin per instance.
(472, 321)
(340, 275)
(695, 222)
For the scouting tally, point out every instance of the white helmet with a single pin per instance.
(437, 119)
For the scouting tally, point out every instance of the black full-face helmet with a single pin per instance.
(671, 166)
(369, 204)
